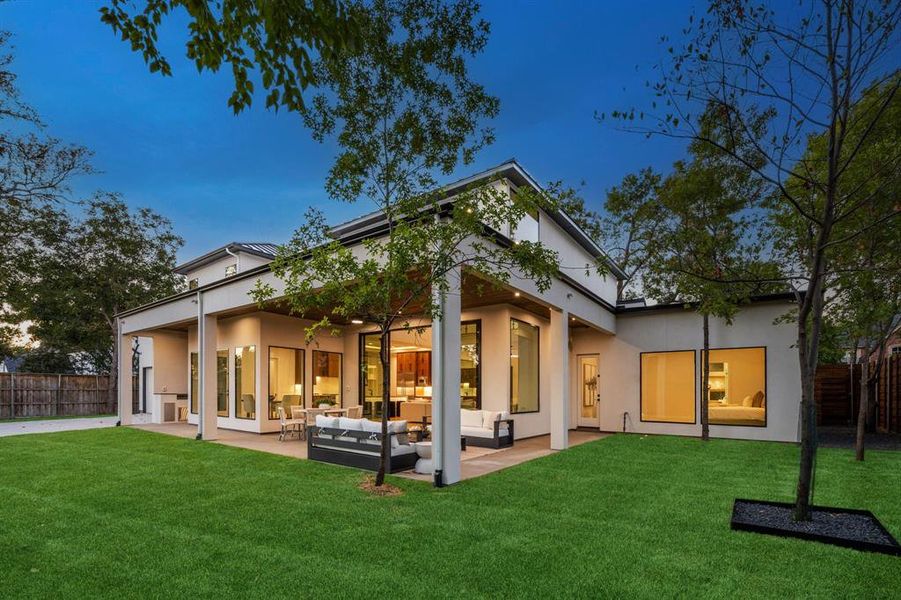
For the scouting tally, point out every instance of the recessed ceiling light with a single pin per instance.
(516, 294)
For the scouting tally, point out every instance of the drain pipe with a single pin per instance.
(625, 415)
(438, 407)
(201, 404)
(237, 259)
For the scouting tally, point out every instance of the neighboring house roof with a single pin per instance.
(370, 224)
(262, 249)
(778, 296)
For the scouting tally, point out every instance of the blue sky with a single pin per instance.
(173, 144)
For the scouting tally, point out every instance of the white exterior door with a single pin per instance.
(588, 390)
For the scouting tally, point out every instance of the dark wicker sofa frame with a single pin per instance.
(494, 442)
(366, 455)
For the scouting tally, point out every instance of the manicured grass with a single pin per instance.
(115, 512)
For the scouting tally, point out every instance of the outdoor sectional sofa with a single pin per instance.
(358, 443)
(486, 428)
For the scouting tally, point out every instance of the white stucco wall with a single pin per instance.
(681, 330)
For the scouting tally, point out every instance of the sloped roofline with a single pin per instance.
(261, 249)
(512, 170)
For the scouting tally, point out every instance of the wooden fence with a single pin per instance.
(50, 395)
(837, 394)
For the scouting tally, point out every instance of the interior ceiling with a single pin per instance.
(477, 292)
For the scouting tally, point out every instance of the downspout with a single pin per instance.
(237, 259)
(201, 404)
(118, 374)
(438, 411)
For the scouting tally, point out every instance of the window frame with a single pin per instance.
(766, 412)
(191, 393)
(229, 375)
(695, 378)
(303, 361)
(478, 324)
(235, 384)
(193, 284)
(510, 368)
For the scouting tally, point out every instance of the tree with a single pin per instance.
(109, 260)
(628, 225)
(867, 271)
(402, 108)
(35, 172)
(706, 250)
(776, 75)
(277, 41)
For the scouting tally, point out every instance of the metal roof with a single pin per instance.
(262, 249)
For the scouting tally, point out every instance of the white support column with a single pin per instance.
(558, 368)
(123, 384)
(207, 340)
(446, 384)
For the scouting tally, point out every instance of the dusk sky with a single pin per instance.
(173, 144)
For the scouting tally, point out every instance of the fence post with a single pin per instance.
(96, 390)
(12, 395)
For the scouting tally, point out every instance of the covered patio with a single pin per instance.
(474, 461)
(231, 368)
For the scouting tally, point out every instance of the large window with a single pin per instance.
(668, 386)
(371, 374)
(410, 371)
(195, 386)
(470, 365)
(523, 367)
(737, 388)
(222, 383)
(326, 378)
(245, 382)
(285, 379)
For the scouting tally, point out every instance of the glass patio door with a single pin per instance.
(589, 390)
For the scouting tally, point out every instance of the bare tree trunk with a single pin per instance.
(705, 382)
(862, 410)
(385, 360)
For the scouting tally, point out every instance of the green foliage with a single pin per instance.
(42, 359)
(91, 267)
(277, 41)
(627, 227)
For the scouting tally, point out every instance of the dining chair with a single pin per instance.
(298, 414)
(355, 412)
(287, 425)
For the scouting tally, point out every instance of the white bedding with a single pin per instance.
(730, 412)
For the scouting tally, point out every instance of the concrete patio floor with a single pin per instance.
(475, 461)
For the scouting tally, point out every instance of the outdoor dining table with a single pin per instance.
(324, 411)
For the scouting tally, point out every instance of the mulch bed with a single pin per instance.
(858, 529)
(386, 489)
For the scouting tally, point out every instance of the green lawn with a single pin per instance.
(115, 512)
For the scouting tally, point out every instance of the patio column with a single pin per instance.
(207, 340)
(558, 368)
(123, 382)
(446, 384)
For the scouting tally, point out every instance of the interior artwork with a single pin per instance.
(737, 388)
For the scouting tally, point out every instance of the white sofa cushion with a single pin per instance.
(471, 418)
(400, 428)
(350, 424)
(479, 432)
(324, 421)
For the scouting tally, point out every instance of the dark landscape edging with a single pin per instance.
(892, 548)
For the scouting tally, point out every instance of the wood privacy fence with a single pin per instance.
(837, 394)
(51, 395)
